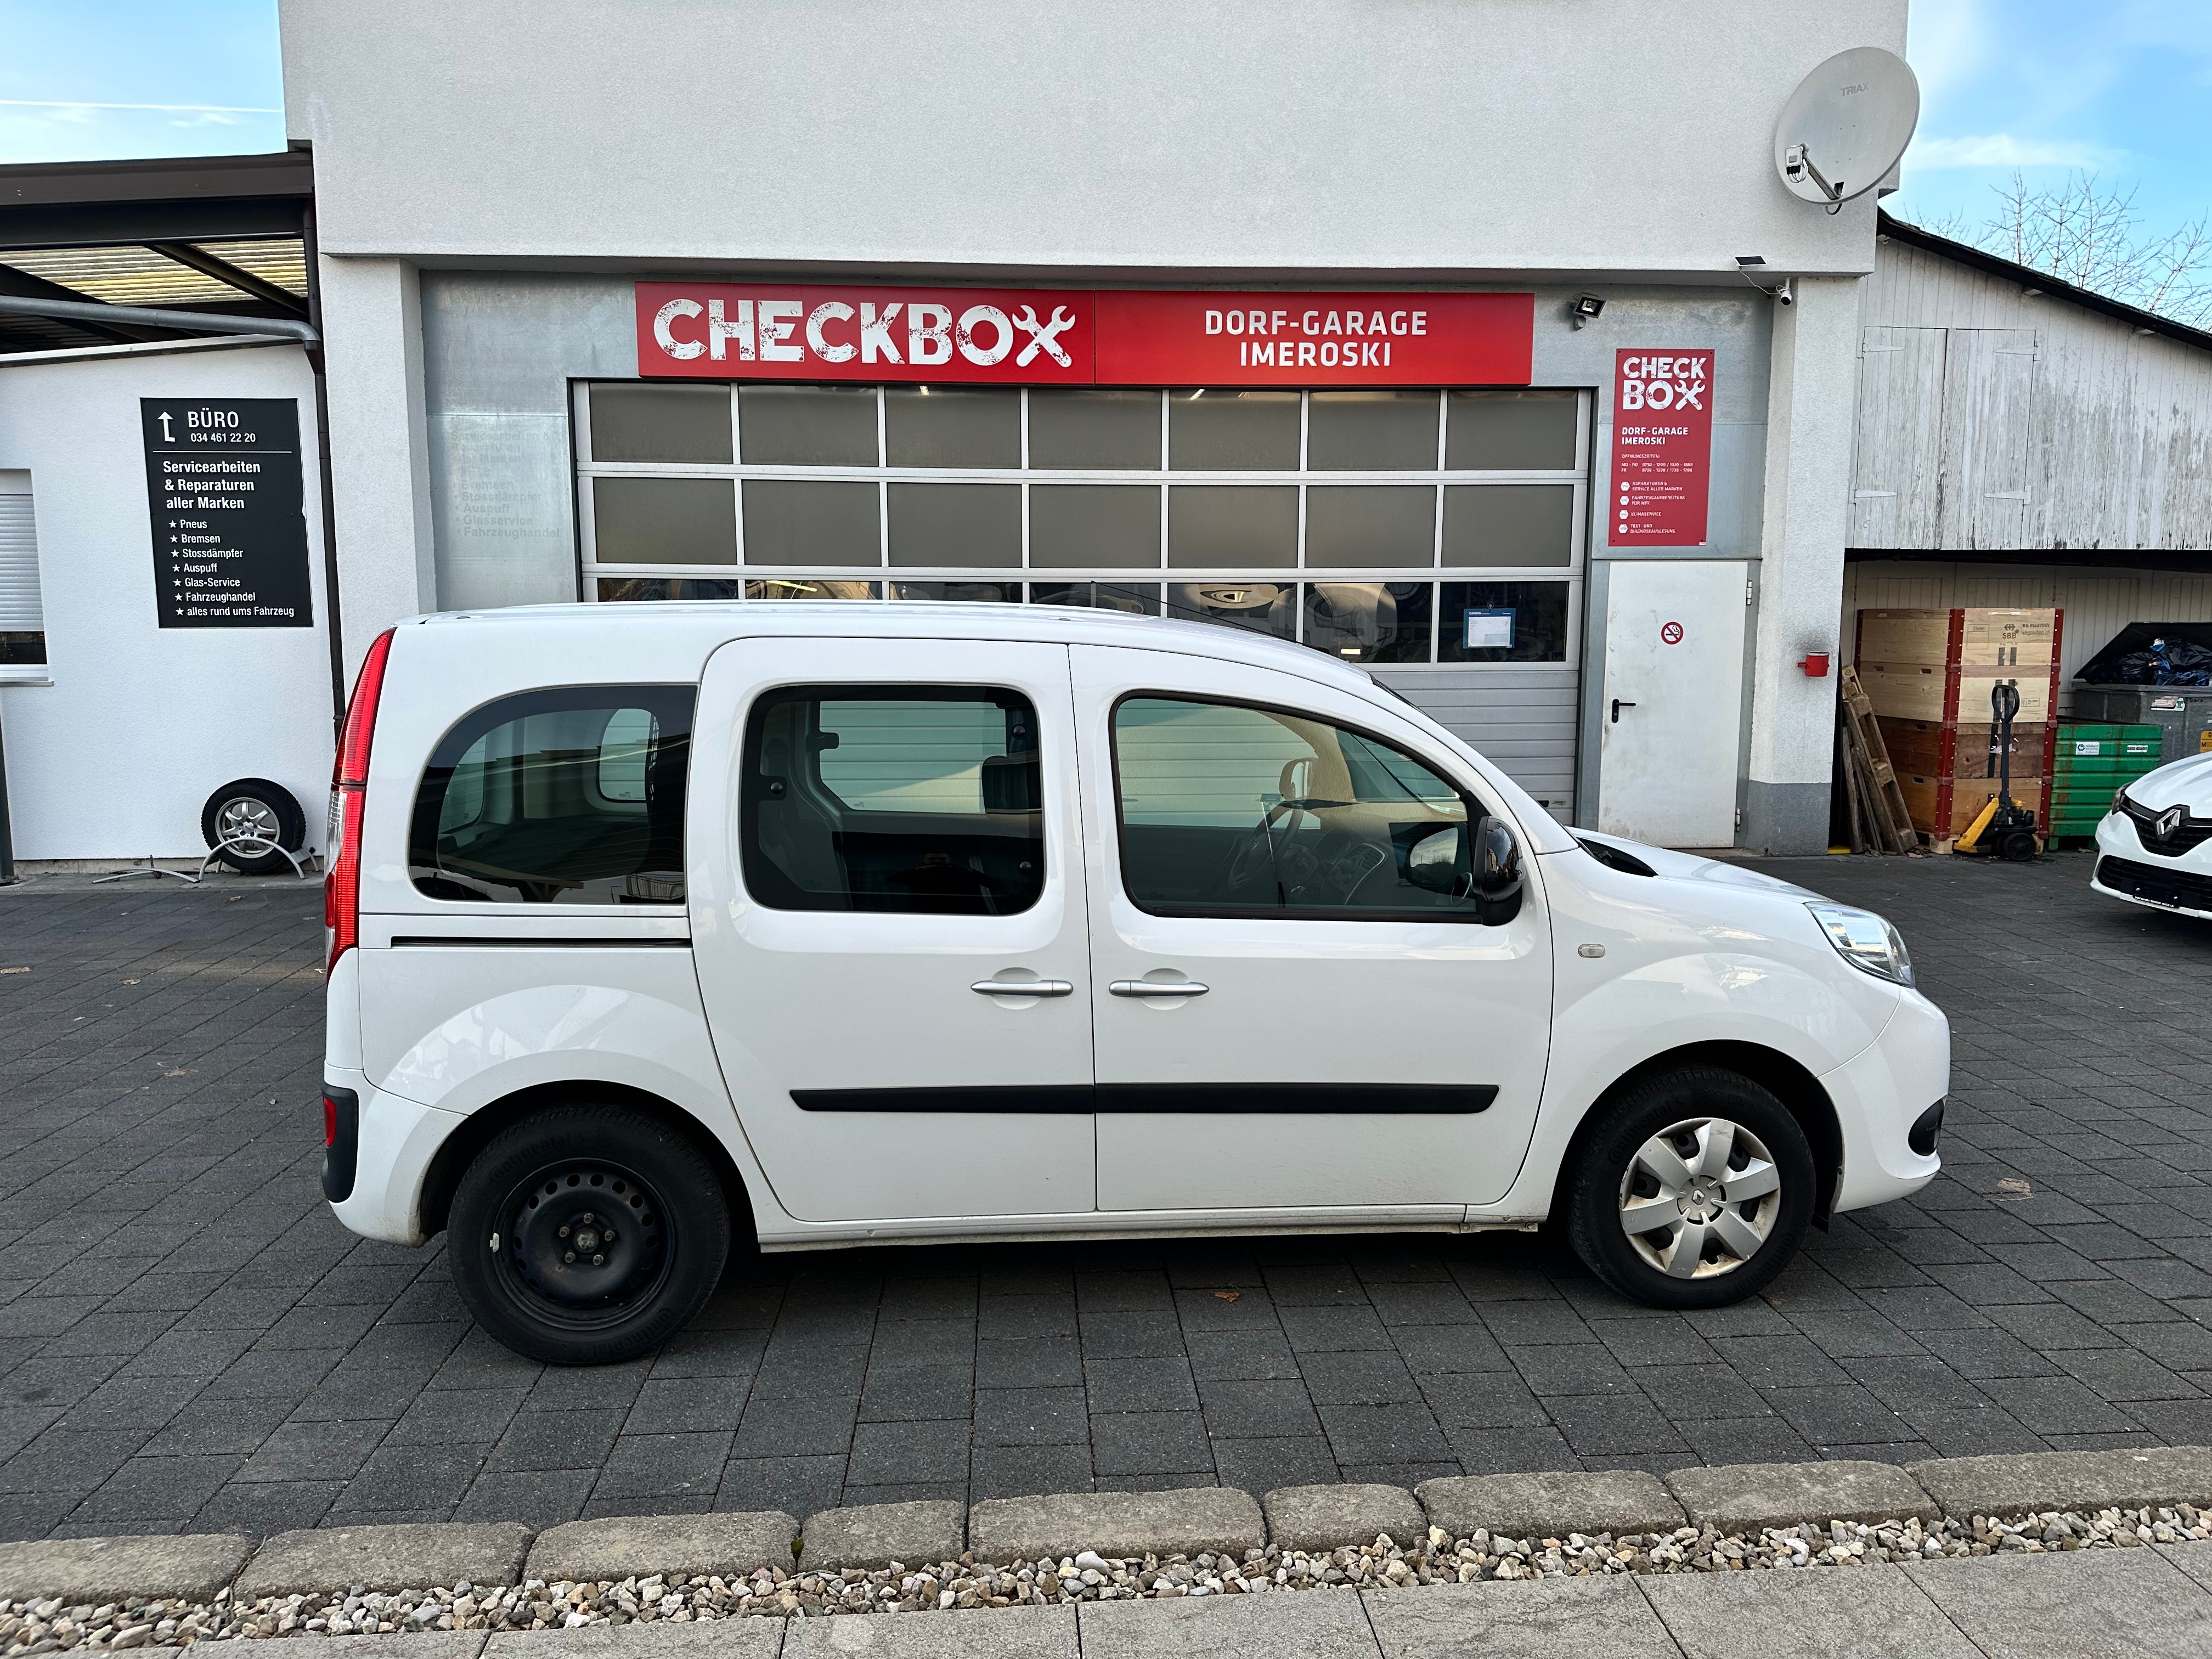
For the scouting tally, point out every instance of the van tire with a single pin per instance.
(636, 1199)
(1718, 1237)
(264, 809)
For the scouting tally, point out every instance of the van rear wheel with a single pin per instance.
(1694, 1192)
(584, 1235)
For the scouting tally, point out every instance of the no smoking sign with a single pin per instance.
(1670, 633)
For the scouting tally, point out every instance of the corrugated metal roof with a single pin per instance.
(133, 275)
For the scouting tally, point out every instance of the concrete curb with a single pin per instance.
(2141, 1478)
(636, 1547)
(1550, 1505)
(1748, 1497)
(874, 1535)
(1125, 1523)
(195, 1566)
(1331, 1517)
(329, 1559)
(1729, 1498)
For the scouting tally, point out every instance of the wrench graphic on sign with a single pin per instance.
(1044, 337)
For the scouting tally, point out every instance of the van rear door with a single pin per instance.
(888, 919)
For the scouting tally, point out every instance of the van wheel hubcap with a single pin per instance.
(1699, 1198)
(583, 1243)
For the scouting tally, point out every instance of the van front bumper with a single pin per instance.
(397, 1139)
(1882, 1095)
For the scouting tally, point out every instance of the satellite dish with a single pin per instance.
(1845, 126)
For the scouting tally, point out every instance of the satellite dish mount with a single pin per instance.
(1846, 126)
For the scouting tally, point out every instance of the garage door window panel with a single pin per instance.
(665, 521)
(1501, 622)
(1231, 809)
(807, 425)
(663, 424)
(893, 800)
(803, 521)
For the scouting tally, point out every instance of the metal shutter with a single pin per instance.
(20, 610)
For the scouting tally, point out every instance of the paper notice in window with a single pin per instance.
(1488, 630)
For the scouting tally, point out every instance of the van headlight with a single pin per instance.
(1865, 940)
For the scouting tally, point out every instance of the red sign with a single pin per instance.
(1662, 447)
(1315, 339)
(762, 331)
(1670, 634)
(1046, 337)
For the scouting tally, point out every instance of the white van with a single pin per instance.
(655, 926)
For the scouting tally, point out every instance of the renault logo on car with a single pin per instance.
(2170, 820)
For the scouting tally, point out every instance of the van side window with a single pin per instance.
(1232, 811)
(566, 796)
(914, 799)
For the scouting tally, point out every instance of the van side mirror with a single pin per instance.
(1482, 863)
(1441, 862)
(1499, 880)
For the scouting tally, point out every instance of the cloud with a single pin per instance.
(2002, 149)
(1948, 44)
(75, 108)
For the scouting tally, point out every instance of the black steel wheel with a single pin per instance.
(247, 820)
(584, 1235)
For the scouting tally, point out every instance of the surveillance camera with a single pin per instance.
(1783, 294)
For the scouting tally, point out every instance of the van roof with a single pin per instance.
(709, 622)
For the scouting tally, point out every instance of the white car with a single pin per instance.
(2154, 847)
(657, 927)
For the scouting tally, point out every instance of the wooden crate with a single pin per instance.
(1947, 807)
(1952, 696)
(1969, 637)
(1934, 750)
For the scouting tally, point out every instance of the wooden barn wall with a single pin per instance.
(1988, 422)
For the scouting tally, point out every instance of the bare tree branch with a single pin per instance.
(2089, 234)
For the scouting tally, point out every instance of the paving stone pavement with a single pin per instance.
(188, 1341)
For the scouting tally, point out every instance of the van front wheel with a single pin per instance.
(582, 1236)
(1694, 1192)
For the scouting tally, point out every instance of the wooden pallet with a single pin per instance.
(1875, 791)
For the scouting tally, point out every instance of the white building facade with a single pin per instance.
(1423, 338)
(1313, 272)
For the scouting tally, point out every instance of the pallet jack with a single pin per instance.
(2003, 829)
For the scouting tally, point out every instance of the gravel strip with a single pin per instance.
(28, 1628)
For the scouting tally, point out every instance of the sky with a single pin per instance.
(2120, 87)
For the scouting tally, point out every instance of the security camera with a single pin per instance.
(1783, 294)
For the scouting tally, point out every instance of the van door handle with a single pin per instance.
(1618, 705)
(1024, 988)
(1145, 988)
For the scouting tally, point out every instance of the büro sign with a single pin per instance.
(1049, 336)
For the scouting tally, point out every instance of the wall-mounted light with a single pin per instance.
(2031, 294)
(1586, 310)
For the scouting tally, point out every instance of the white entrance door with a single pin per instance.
(887, 915)
(1285, 1019)
(1672, 717)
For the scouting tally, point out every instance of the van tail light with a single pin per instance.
(330, 1121)
(348, 802)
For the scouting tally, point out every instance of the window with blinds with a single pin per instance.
(23, 616)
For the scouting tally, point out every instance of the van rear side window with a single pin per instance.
(566, 796)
